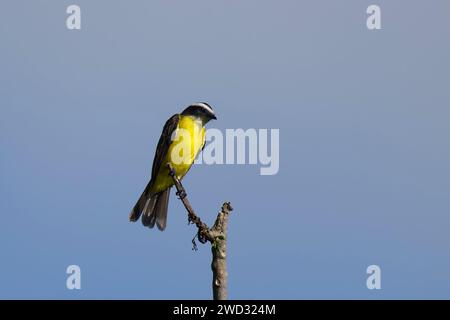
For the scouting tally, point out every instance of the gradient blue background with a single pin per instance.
(364, 119)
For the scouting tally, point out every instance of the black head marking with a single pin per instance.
(201, 109)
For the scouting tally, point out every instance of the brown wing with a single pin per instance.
(164, 143)
(146, 202)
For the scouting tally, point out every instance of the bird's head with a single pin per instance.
(200, 110)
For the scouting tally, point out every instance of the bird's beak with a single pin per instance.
(213, 116)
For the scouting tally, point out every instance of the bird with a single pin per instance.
(182, 138)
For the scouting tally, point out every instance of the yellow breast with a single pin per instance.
(188, 140)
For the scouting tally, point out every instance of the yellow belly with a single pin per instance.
(188, 141)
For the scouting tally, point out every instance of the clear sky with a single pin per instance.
(364, 119)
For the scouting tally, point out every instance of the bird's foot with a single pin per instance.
(181, 194)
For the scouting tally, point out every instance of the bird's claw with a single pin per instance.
(181, 194)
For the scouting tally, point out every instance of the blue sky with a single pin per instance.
(364, 147)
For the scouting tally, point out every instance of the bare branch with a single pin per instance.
(219, 252)
(217, 236)
(203, 230)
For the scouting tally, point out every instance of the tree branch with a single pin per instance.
(217, 236)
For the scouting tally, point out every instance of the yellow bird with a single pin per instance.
(182, 138)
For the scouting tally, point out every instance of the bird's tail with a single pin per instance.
(153, 208)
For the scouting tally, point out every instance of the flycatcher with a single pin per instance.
(182, 138)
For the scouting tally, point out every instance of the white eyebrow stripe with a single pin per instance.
(201, 104)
